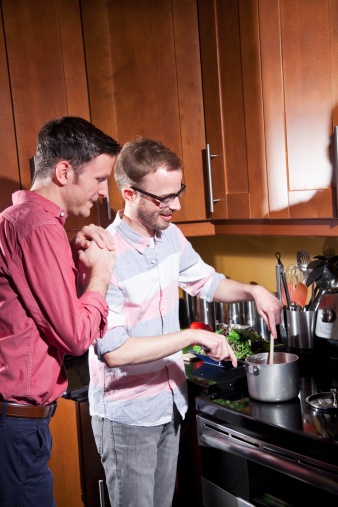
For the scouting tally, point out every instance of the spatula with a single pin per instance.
(300, 294)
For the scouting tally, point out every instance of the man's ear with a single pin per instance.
(62, 172)
(128, 194)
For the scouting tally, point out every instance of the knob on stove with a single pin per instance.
(328, 315)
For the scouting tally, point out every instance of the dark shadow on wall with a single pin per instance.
(8, 187)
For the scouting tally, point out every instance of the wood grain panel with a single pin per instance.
(300, 227)
(9, 167)
(144, 71)
(253, 106)
(306, 67)
(333, 25)
(232, 106)
(238, 206)
(274, 114)
(189, 85)
(64, 461)
(74, 65)
(142, 81)
(197, 229)
(36, 71)
(100, 83)
(212, 101)
(312, 203)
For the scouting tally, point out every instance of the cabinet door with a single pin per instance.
(9, 167)
(269, 79)
(46, 70)
(144, 80)
(65, 461)
(299, 74)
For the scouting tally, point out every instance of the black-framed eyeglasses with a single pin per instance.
(164, 201)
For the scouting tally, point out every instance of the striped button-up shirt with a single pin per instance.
(143, 300)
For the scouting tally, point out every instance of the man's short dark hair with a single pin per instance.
(73, 139)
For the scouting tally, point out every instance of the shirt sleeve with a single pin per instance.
(44, 273)
(196, 277)
(116, 334)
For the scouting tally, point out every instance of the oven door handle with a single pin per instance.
(315, 476)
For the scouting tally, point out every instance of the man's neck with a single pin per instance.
(48, 192)
(137, 226)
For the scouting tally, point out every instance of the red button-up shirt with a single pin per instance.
(41, 317)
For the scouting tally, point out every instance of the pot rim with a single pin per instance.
(257, 358)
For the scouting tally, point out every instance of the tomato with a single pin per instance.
(200, 325)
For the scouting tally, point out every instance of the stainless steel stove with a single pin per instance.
(256, 453)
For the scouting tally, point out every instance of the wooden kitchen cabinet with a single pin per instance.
(9, 167)
(75, 462)
(46, 78)
(144, 79)
(270, 97)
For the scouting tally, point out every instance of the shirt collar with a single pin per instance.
(23, 196)
(139, 242)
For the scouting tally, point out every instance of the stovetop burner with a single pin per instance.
(316, 376)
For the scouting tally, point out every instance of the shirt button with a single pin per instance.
(153, 261)
(62, 214)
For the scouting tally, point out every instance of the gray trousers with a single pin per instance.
(139, 462)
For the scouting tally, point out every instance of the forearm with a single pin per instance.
(97, 281)
(230, 291)
(268, 306)
(149, 348)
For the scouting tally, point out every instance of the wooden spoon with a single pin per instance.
(272, 344)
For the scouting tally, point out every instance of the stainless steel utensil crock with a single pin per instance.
(272, 382)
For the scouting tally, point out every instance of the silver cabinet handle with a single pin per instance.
(101, 491)
(108, 202)
(211, 194)
(32, 166)
(310, 475)
(335, 132)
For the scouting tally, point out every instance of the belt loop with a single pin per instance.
(3, 412)
(53, 409)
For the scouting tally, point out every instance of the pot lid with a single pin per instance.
(323, 401)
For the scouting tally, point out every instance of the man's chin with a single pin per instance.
(163, 226)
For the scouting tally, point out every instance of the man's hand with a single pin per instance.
(90, 233)
(268, 307)
(95, 268)
(215, 345)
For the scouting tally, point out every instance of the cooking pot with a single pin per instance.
(272, 382)
(201, 310)
(246, 314)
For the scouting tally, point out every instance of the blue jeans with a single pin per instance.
(25, 447)
(139, 462)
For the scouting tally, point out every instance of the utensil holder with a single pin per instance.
(300, 328)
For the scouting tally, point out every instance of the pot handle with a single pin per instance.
(253, 369)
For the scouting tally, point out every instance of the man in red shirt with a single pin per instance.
(41, 316)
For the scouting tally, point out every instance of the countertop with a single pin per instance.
(202, 377)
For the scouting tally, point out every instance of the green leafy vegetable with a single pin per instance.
(243, 343)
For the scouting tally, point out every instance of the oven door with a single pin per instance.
(242, 470)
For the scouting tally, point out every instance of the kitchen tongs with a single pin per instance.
(283, 278)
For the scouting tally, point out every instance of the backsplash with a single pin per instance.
(252, 258)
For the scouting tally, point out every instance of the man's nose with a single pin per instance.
(175, 205)
(103, 190)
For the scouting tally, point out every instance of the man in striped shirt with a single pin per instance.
(138, 392)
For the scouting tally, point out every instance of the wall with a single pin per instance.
(252, 258)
